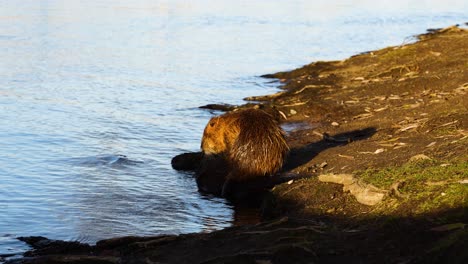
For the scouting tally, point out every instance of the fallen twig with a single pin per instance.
(310, 86)
(264, 97)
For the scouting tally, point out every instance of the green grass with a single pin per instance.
(418, 172)
(427, 185)
(446, 197)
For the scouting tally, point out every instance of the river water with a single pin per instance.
(96, 97)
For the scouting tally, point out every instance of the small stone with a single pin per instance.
(323, 165)
(293, 112)
(379, 151)
(335, 124)
(419, 157)
(290, 182)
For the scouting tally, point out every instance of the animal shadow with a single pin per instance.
(304, 154)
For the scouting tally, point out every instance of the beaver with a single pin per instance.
(250, 141)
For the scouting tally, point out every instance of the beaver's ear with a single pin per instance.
(212, 123)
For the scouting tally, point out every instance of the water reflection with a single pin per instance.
(118, 195)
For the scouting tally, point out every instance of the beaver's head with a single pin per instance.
(220, 134)
(213, 140)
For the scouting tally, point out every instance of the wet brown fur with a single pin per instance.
(250, 140)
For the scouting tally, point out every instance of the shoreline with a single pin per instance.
(379, 141)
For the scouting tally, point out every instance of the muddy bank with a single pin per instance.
(379, 143)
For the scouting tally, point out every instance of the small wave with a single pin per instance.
(85, 238)
(7, 37)
(105, 160)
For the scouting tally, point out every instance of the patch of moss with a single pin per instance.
(396, 54)
(415, 173)
(446, 131)
(427, 185)
(446, 197)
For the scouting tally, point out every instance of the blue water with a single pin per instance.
(96, 97)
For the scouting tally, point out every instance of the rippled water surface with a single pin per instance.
(96, 97)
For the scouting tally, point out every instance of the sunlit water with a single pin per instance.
(96, 97)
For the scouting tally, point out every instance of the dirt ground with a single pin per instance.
(380, 116)
(378, 162)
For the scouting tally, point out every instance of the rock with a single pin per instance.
(323, 165)
(365, 193)
(379, 151)
(419, 157)
(344, 179)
